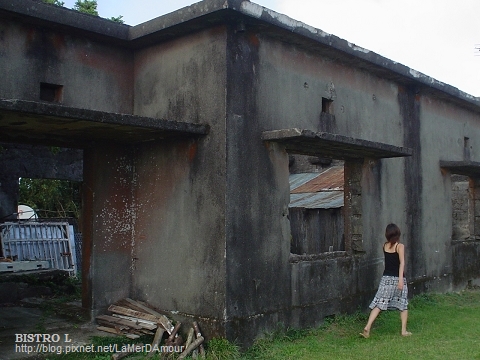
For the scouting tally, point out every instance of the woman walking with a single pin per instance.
(392, 292)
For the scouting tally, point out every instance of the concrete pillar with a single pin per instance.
(107, 229)
(353, 207)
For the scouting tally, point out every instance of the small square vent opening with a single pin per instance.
(51, 92)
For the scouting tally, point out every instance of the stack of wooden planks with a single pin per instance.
(133, 319)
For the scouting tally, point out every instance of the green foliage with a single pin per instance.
(54, 2)
(222, 349)
(423, 300)
(86, 7)
(117, 19)
(51, 198)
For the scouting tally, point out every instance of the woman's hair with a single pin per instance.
(392, 233)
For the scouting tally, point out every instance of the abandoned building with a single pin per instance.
(185, 125)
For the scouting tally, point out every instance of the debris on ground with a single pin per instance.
(133, 319)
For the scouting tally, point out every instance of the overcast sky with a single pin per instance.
(435, 37)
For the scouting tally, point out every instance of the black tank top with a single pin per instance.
(392, 262)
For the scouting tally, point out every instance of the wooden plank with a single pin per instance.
(112, 325)
(133, 313)
(145, 324)
(125, 303)
(156, 340)
(191, 347)
(174, 332)
(189, 337)
(109, 330)
(199, 335)
(148, 332)
(163, 320)
(116, 320)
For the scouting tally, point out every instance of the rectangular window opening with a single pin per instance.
(327, 106)
(316, 205)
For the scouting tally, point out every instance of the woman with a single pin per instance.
(392, 292)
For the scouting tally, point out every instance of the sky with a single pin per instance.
(439, 38)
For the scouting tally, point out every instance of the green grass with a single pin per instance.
(443, 326)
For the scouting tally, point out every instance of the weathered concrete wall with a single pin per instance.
(444, 128)
(93, 75)
(287, 92)
(411, 192)
(257, 228)
(180, 185)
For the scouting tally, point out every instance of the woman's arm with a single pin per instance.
(401, 268)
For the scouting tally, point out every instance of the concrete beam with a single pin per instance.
(467, 168)
(336, 146)
(52, 124)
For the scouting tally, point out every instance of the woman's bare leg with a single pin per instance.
(404, 318)
(373, 315)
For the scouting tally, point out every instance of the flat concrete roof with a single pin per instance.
(47, 123)
(208, 13)
(307, 142)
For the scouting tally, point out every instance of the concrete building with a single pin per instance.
(186, 123)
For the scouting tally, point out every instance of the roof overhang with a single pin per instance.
(334, 146)
(52, 124)
(467, 168)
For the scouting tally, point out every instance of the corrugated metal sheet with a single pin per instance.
(330, 179)
(318, 190)
(317, 200)
(297, 180)
(46, 241)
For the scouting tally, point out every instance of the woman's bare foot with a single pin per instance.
(406, 333)
(365, 333)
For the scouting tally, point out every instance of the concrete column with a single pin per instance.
(353, 207)
(107, 229)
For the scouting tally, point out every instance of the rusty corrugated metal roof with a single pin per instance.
(297, 180)
(330, 179)
(317, 190)
(317, 200)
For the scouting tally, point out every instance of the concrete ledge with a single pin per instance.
(336, 146)
(40, 13)
(467, 168)
(22, 120)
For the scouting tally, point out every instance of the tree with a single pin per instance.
(54, 2)
(51, 198)
(86, 7)
(117, 19)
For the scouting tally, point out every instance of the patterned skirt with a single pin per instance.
(389, 297)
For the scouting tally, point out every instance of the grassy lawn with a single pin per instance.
(443, 327)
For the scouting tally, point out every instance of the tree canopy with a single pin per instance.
(86, 7)
(51, 198)
(54, 2)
